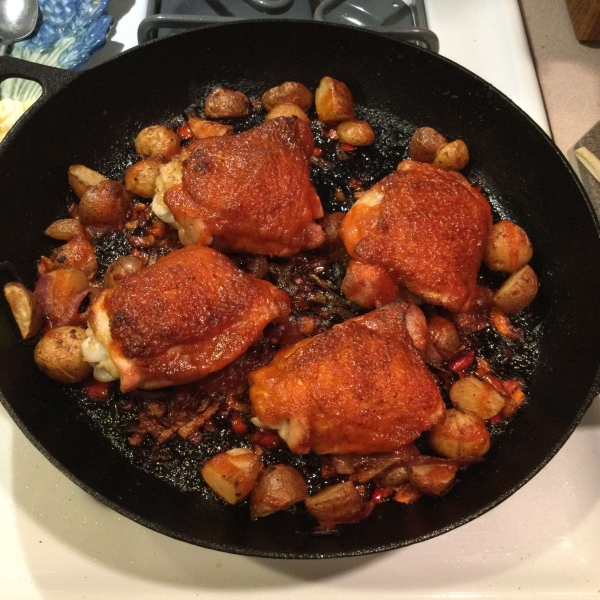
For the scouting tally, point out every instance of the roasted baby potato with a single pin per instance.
(120, 269)
(336, 504)
(66, 229)
(424, 144)
(156, 140)
(443, 340)
(333, 101)
(433, 479)
(476, 397)
(290, 91)
(81, 178)
(77, 253)
(223, 103)
(356, 133)
(460, 435)
(232, 474)
(58, 354)
(517, 292)
(452, 157)
(25, 308)
(508, 248)
(107, 203)
(287, 109)
(201, 128)
(278, 488)
(140, 178)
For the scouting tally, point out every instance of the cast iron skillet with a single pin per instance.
(96, 114)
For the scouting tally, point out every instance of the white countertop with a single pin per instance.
(58, 542)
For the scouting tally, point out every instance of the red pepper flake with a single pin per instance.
(348, 147)
(238, 424)
(98, 390)
(495, 420)
(332, 134)
(266, 439)
(185, 132)
(462, 362)
(317, 152)
(379, 494)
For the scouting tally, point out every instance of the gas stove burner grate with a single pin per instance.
(405, 20)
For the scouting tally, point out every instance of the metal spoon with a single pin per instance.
(18, 19)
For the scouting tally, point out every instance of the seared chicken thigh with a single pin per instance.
(360, 387)
(428, 227)
(249, 192)
(187, 315)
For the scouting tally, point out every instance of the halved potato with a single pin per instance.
(25, 308)
(433, 479)
(66, 229)
(476, 397)
(224, 103)
(290, 91)
(424, 144)
(81, 178)
(201, 128)
(452, 157)
(59, 355)
(333, 101)
(518, 291)
(336, 504)
(356, 133)
(278, 488)
(232, 474)
(287, 109)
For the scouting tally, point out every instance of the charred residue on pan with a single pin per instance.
(313, 284)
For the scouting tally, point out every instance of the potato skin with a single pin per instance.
(287, 109)
(120, 269)
(107, 203)
(156, 140)
(356, 133)
(424, 144)
(25, 308)
(277, 488)
(333, 101)
(290, 91)
(223, 103)
(452, 157)
(58, 355)
(140, 178)
(508, 248)
(518, 291)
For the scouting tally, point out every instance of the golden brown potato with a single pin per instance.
(336, 504)
(476, 397)
(66, 229)
(107, 203)
(25, 308)
(278, 488)
(508, 248)
(393, 477)
(58, 355)
(424, 144)
(333, 101)
(77, 253)
(356, 133)
(140, 178)
(452, 157)
(433, 479)
(517, 292)
(121, 268)
(287, 109)
(232, 474)
(81, 178)
(460, 435)
(290, 91)
(201, 128)
(223, 103)
(156, 140)
(443, 341)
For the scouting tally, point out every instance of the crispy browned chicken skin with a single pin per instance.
(189, 314)
(249, 192)
(427, 227)
(360, 387)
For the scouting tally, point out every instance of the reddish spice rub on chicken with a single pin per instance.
(427, 227)
(189, 314)
(360, 387)
(249, 192)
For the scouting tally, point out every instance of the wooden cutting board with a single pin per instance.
(585, 16)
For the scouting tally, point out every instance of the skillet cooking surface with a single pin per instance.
(94, 120)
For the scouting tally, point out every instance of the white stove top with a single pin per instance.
(58, 542)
